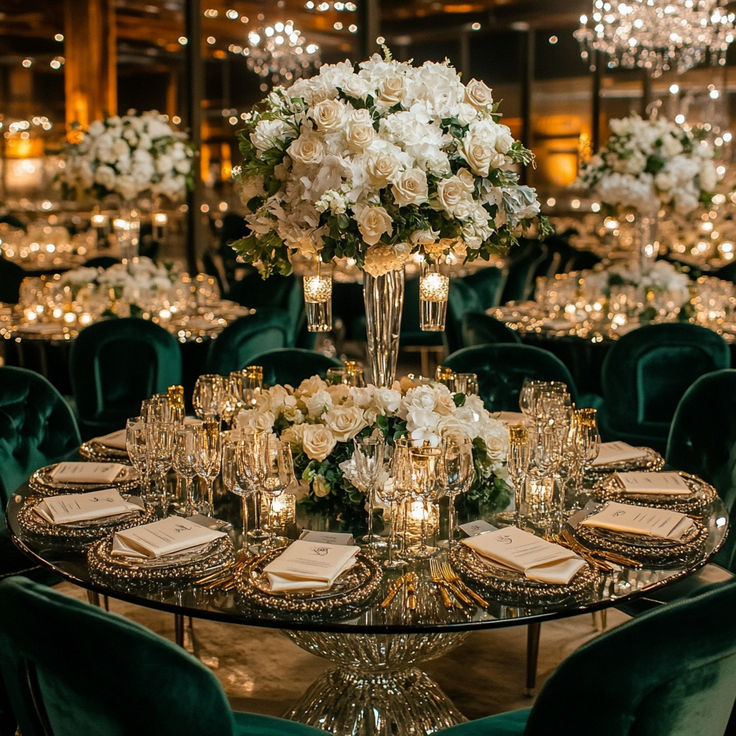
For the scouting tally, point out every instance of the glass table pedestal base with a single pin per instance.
(376, 690)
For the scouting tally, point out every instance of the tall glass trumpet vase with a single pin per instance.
(648, 244)
(384, 301)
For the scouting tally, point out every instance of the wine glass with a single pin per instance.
(234, 479)
(589, 436)
(424, 463)
(456, 472)
(183, 460)
(135, 444)
(207, 397)
(159, 446)
(518, 464)
(207, 453)
(278, 475)
(368, 453)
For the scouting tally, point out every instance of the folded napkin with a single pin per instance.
(41, 328)
(666, 483)
(116, 440)
(163, 537)
(622, 517)
(75, 472)
(617, 452)
(309, 566)
(538, 559)
(83, 506)
(510, 417)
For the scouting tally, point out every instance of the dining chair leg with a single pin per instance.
(94, 598)
(179, 629)
(532, 654)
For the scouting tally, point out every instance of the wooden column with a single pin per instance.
(90, 74)
(369, 23)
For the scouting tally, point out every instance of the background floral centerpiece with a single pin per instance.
(131, 155)
(378, 160)
(321, 421)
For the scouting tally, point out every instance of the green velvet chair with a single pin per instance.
(412, 338)
(502, 368)
(522, 268)
(11, 275)
(461, 300)
(293, 365)
(72, 669)
(645, 374)
(114, 365)
(487, 283)
(480, 328)
(668, 672)
(267, 329)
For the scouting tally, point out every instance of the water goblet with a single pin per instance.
(234, 478)
(183, 460)
(278, 475)
(207, 396)
(424, 463)
(456, 472)
(368, 453)
(159, 447)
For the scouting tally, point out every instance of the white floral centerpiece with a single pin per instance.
(378, 160)
(648, 164)
(320, 421)
(131, 155)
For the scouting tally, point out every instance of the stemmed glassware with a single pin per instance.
(184, 457)
(209, 389)
(207, 452)
(368, 453)
(159, 446)
(456, 471)
(135, 444)
(235, 479)
(424, 463)
(278, 475)
(518, 464)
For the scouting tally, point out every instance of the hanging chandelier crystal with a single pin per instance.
(657, 35)
(280, 53)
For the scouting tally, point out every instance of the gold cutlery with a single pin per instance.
(411, 591)
(583, 552)
(459, 587)
(615, 557)
(442, 585)
(393, 590)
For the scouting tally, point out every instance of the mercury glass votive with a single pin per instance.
(127, 233)
(434, 288)
(445, 376)
(318, 301)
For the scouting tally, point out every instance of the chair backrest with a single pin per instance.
(487, 284)
(502, 368)
(520, 281)
(37, 427)
(647, 371)
(267, 329)
(480, 328)
(669, 671)
(115, 364)
(702, 441)
(11, 275)
(411, 333)
(293, 365)
(70, 669)
(461, 299)
(728, 273)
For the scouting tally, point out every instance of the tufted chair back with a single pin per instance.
(480, 328)
(293, 365)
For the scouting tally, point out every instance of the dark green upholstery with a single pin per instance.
(11, 275)
(114, 365)
(75, 670)
(480, 328)
(487, 284)
(702, 441)
(411, 334)
(645, 374)
(727, 273)
(502, 368)
(267, 329)
(461, 300)
(669, 672)
(293, 365)
(522, 268)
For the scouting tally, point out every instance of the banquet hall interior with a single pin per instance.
(367, 367)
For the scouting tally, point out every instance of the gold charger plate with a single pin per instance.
(42, 482)
(100, 452)
(650, 460)
(512, 586)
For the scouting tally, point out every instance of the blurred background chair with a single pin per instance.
(645, 374)
(100, 262)
(521, 271)
(413, 339)
(487, 283)
(480, 328)
(114, 365)
(671, 671)
(460, 300)
(293, 365)
(72, 669)
(11, 274)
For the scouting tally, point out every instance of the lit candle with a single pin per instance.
(434, 288)
(317, 288)
(318, 302)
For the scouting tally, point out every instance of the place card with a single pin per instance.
(77, 472)
(84, 506)
(538, 559)
(327, 537)
(309, 566)
(116, 440)
(664, 482)
(163, 537)
(622, 517)
(480, 526)
(617, 452)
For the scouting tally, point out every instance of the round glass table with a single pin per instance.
(377, 646)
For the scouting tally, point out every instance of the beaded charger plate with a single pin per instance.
(41, 481)
(653, 550)
(77, 533)
(649, 460)
(100, 452)
(509, 585)
(610, 488)
(182, 566)
(349, 592)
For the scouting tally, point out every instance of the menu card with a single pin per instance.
(617, 452)
(163, 537)
(83, 506)
(537, 558)
(666, 483)
(114, 439)
(309, 566)
(74, 472)
(622, 517)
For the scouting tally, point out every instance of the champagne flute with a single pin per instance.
(184, 456)
(159, 445)
(518, 464)
(207, 397)
(424, 462)
(207, 453)
(456, 471)
(135, 444)
(368, 453)
(234, 480)
(278, 476)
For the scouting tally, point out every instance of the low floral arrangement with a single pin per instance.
(320, 421)
(647, 164)
(131, 155)
(658, 276)
(376, 161)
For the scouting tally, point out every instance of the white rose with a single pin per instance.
(357, 87)
(360, 132)
(340, 393)
(504, 139)
(310, 386)
(382, 168)
(387, 400)
(466, 113)
(417, 418)
(373, 222)
(317, 441)
(391, 89)
(452, 192)
(262, 421)
(478, 94)
(307, 149)
(320, 487)
(328, 115)
(317, 403)
(410, 187)
(267, 133)
(344, 422)
(420, 397)
(478, 154)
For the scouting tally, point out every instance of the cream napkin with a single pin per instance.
(660, 483)
(116, 440)
(163, 537)
(617, 452)
(537, 558)
(622, 517)
(41, 328)
(510, 417)
(309, 566)
(76, 472)
(83, 506)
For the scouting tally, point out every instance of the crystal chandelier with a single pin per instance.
(280, 53)
(657, 35)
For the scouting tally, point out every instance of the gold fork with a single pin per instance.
(460, 588)
(442, 585)
(614, 557)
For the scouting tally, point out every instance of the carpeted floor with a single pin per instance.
(263, 672)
